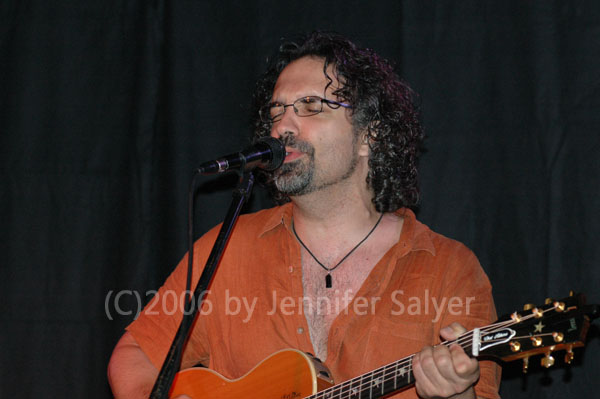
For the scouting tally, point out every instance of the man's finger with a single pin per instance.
(453, 331)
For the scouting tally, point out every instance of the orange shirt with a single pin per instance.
(254, 308)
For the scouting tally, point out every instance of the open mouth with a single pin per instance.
(291, 154)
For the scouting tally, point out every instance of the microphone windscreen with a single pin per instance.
(277, 150)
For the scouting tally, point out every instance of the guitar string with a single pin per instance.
(402, 362)
(464, 338)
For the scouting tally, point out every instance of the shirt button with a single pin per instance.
(300, 330)
(291, 269)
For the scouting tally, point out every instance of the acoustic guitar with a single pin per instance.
(291, 374)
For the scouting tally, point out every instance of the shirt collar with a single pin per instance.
(282, 216)
(415, 236)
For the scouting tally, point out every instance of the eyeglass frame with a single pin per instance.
(329, 103)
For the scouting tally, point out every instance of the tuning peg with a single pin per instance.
(548, 301)
(569, 355)
(548, 361)
(528, 306)
(536, 341)
(515, 346)
(558, 336)
(571, 293)
(559, 306)
(525, 364)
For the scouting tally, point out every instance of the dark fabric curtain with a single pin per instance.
(107, 106)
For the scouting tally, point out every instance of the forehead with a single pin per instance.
(303, 77)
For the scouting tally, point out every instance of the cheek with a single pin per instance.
(333, 154)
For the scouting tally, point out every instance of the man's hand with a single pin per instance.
(442, 372)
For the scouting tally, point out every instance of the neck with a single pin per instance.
(320, 214)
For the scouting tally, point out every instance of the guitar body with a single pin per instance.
(287, 374)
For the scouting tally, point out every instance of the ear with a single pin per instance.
(366, 137)
(363, 149)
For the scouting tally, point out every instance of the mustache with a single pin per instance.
(299, 145)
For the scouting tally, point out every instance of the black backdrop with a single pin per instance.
(106, 106)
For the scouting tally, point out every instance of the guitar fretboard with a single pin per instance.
(374, 384)
(384, 380)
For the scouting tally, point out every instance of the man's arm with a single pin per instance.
(131, 375)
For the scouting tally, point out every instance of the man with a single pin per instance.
(343, 270)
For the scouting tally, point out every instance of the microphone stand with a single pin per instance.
(173, 360)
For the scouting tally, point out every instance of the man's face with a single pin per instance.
(322, 149)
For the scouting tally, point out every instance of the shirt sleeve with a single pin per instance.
(158, 323)
(468, 294)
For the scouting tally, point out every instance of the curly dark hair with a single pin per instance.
(382, 106)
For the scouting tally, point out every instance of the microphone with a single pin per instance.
(267, 153)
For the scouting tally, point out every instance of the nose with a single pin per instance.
(287, 125)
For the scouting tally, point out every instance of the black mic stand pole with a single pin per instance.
(173, 360)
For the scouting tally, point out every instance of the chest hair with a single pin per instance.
(322, 305)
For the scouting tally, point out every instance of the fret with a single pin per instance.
(354, 391)
(355, 388)
(344, 391)
(389, 380)
(385, 379)
(361, 389)
(376, 383)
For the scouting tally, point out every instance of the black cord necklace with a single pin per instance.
(328, 282)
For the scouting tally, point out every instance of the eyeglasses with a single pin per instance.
(304, 106)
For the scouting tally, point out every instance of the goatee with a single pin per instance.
(295, 178)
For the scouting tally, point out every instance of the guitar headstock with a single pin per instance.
(557, 325)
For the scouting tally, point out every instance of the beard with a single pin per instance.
(295, 178)
(298, 177)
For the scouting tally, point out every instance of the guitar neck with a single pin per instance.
(374, 384)
(392, 377)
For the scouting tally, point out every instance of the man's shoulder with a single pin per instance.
(424, 237)
(447, 257)
(442, 241)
